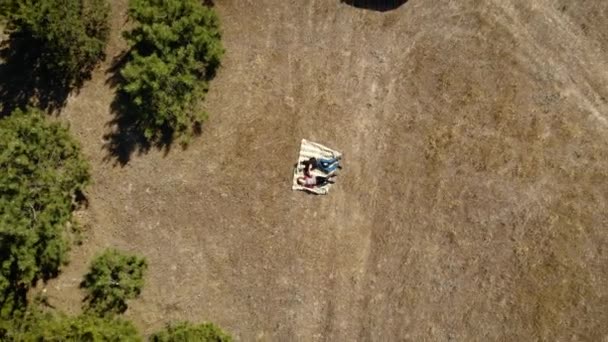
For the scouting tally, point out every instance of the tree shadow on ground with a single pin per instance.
(14, 297)
(25, 79)
(127, 133)
(376, 5)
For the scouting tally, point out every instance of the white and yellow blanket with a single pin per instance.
(308, 150)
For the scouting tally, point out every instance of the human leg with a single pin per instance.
(328, 165)
(321, 181)
(327, 161)
(330, 168)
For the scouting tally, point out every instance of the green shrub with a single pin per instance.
(69, 35)
(176, 49)
(39, 326)
(186, 331)
(114, 278)
(41, 169)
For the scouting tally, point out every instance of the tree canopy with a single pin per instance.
(186, 331)
(114, 278)
(69, 34)
(47, 326)
(176, 48)
(41, 170)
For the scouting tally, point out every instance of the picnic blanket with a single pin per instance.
(309, 149)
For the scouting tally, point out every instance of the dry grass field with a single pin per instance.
(473, 203)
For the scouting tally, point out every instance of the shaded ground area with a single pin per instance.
(472, 204)
(376, 5)
(24, 78)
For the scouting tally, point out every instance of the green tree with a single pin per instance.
(176, 48)
(41, 170)
(69, 35)
(48, 326)
(114, 278)
(186, 331)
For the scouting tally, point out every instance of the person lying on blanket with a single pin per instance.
(326, 165)
(311, 181)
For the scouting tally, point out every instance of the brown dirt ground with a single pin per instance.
(472, 206)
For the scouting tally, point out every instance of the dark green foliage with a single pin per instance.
(176, 50)
(114, 278)
(52, 48)
(3, 12)
(69, 34)
(41, 170)
(39, 326)
(6, 7)
(186, 331)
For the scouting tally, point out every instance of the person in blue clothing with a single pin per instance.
(327, 165)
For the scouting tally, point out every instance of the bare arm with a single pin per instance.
(307, 169)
